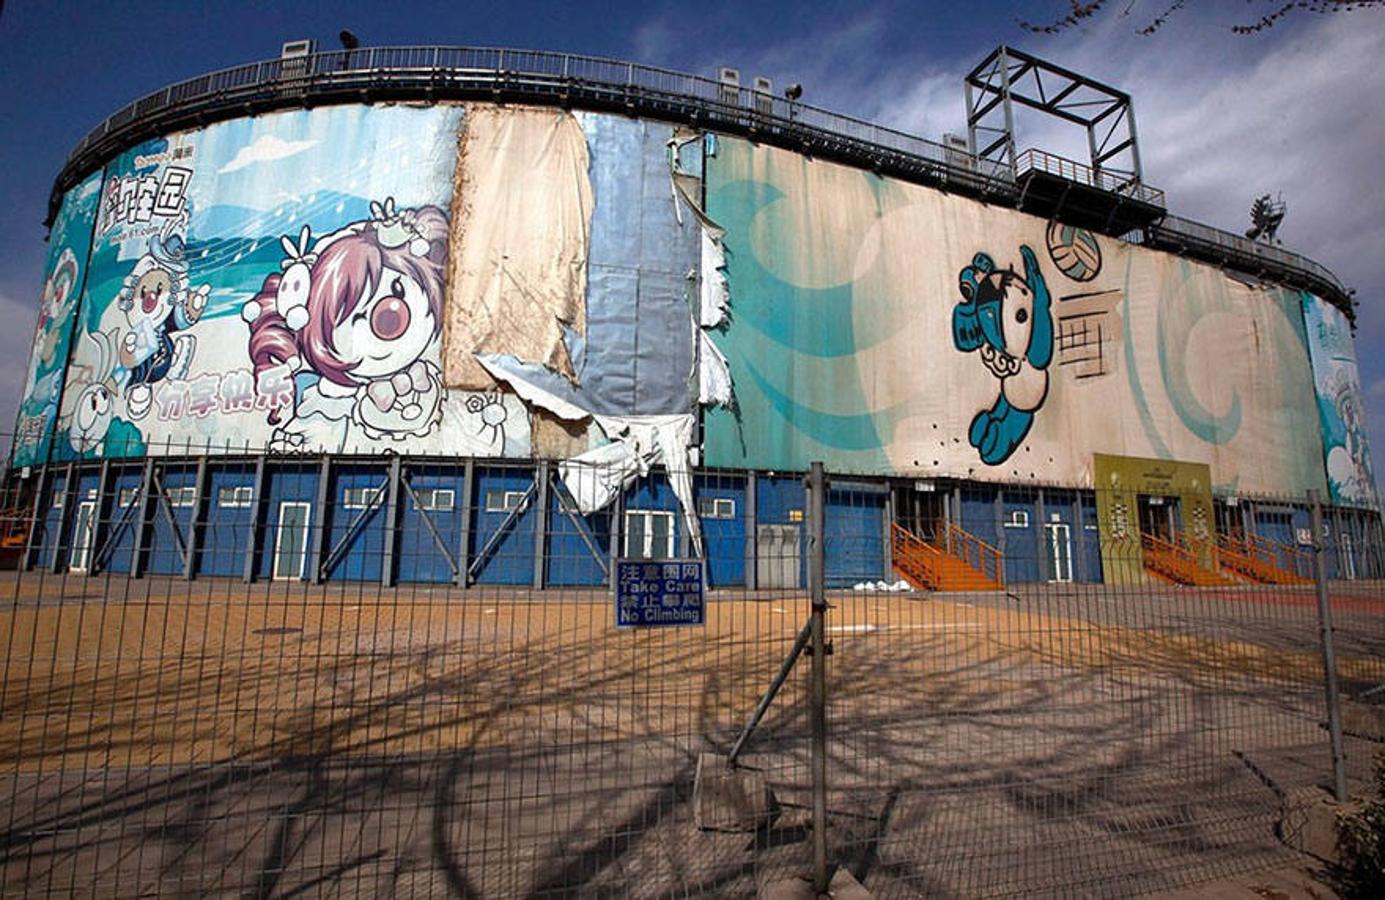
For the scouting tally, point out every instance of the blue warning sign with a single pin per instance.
(652, 594)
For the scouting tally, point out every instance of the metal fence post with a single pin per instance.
(1329, 662)
(817, 492)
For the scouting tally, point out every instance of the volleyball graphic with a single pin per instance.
(1074, 251)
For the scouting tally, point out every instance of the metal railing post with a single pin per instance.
(1329, 661)
(817, 491)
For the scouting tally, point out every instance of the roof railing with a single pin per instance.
(564, 78)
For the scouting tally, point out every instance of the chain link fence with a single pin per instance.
(396, 676)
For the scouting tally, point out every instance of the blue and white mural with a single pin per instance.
(1346, 452)
(69, 243)
(278, 282)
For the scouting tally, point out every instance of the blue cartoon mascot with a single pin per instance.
(1007, 318)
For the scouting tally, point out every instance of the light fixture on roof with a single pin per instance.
(348, 39)
(793, 91)
(1266, 216)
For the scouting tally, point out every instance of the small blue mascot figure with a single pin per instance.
(1007, 318)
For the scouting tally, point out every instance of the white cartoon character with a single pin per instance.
(58, 289)
(95, 409)
(158, 302)
(359, 309)
(490, 409)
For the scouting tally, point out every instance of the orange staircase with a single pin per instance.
(957, 561)
(1262, 561)
(15, 523)
(1176, 563)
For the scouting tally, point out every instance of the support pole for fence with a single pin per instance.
(763, 706)
(1329, 660)
(817, 492)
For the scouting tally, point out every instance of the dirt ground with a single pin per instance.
(1047, 721)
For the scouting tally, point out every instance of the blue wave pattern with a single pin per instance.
(790, 348)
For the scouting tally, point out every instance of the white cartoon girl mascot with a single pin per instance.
(353, 315)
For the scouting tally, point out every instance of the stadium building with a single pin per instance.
(481, 316)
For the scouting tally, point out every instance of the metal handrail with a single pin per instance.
(1179, 234)
(453, 71)
(1038, 160)
(1274, 553)
(975, 552)
(504, 73)
(915, 556)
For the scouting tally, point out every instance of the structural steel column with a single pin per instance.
(34, 516)
(541, 523)
(142, 517)
(752, 549)
(887, 517)
(319, 535)
(101, 521)
(257, 503)
(65, 516)
(391, 522)
(200, 511)
(617, 533)
(1000, 523)
(1079, 519)
(464, 543)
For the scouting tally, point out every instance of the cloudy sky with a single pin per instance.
(1222, 118)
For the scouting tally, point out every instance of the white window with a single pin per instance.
(1018, 518)
(716, 507)
(234, 497)
(359, 498)
(128, 496)
(504, 501)
(181, 496)
(435, 499)
(648, 534)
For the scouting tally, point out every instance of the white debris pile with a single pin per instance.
(898, 586)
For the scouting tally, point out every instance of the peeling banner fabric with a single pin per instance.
(640, 346)
(596, 478)
(519, 241)
(1341, 410)
(886, 327)
(636, 351)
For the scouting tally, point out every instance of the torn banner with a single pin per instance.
(597, 477)
(714, 296)
(520, 237)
